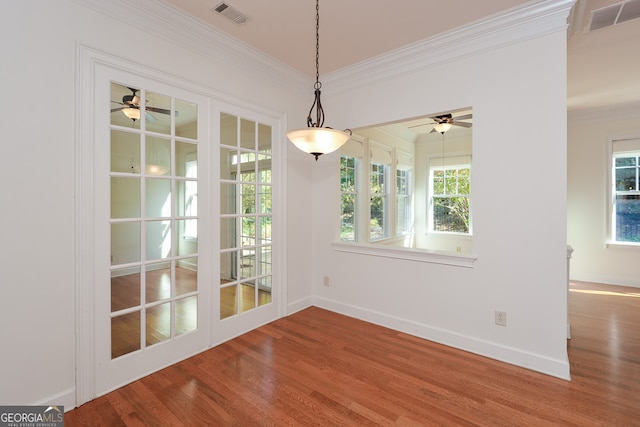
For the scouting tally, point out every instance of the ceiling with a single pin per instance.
(350, 31)
(603, 65)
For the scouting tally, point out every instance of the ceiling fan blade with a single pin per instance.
(158, 110)
(113, 110)
(462, 124)
(433, 130)
(441, 118)
(465, 117)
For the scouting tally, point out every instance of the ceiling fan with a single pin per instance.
(443, 122)
(454, 121)
(131, 107)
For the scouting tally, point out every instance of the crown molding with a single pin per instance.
(534, 19)
(167, 22)
(628, 110)
(393, 131)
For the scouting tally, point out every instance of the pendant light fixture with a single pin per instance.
(316, 139)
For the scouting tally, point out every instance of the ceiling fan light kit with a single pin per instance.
(444, 122)
(316, 139)
(442, 127)
(132, 113)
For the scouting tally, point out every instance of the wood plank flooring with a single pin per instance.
(318, 368)
(125, 294)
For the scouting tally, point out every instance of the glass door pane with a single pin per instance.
(154, 218)
(246, 215)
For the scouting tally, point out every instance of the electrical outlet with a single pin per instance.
(501, 318)
(326, 281)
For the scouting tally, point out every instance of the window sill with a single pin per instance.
(626, 245)
(467, 236)
(410, 254)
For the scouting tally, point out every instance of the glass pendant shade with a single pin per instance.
(318, 141)
(132, 113)
(442, 127)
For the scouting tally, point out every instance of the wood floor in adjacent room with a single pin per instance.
(320, 368)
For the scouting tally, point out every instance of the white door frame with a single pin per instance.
(87, 60)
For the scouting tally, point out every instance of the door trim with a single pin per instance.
(87, 59)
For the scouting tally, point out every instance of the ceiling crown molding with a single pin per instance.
(629, 110)
(534, 19)
(169, 23)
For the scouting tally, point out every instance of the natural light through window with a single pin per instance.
(625, 200)
(406, 190)
(450, 189)
(191, 200)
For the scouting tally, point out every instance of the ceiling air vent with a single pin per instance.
(614, 14)
(230, 12)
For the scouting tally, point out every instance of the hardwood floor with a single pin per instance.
(125, 294)
(320, 368)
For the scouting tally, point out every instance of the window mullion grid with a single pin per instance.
(257, 255)
(173, 225)
(143, 227)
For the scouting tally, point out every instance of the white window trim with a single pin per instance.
(609, 241)
(411, 186)
(430, 223)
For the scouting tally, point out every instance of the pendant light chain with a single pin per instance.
(318, 85)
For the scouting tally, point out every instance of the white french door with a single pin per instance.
(152, 220)
(249, 288)
(178, 211)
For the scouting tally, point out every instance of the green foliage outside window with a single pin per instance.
(252, 205)
(378, 199)
(348, 192)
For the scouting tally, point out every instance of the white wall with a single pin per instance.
(588, 170)
(39, 42)
(519, 198)
(521, 248)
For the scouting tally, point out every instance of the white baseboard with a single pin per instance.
(299, 305)
(514, 356)
(66, 398)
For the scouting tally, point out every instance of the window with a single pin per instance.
(372, 207)
(626, 191)
(379, 179)
(378, 220)
(449, 206)
(404, 194)
(348, 198)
